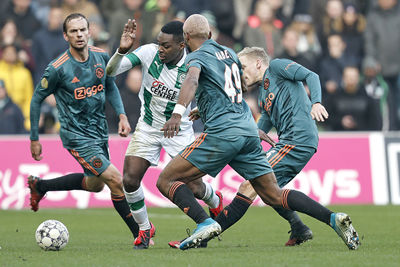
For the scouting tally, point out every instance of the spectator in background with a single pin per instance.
(243, 10)
(21, 13)
(98, 34)
(132, 9)
(11, 118)
(162, 12)
(283, 9)
(225, 15)
(333, 13)
(382, 38)
(9, 35)
(130, 96)
(333, 64)
(290, 40)
(353, 109)
(263, 29)
(186, 8)
(377, 88)
(308, 42)
(218, 36)
(351, 27)
(84, 7)
(18, 80)
(48, 42)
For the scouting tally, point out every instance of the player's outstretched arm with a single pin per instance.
(128, 37)
(117, 64)
(188, 89)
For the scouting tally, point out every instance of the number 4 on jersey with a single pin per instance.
(234, 92)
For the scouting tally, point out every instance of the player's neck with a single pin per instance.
(79, 55)
(178, 58)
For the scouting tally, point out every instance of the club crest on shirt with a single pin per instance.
(181, 77)
(44, 83)
(97, 163)
(99, 72)
(266, 83)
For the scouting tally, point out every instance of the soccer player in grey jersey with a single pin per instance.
(78, 81)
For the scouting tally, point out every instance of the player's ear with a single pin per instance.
(209, 35)
(258, 63)
(65, 36)
(182, 45)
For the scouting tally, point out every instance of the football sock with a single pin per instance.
(210, 198)
(123, 210)
(296, 200)
(234, 211)
(73, 181)
(139, 211)
(291, 216)
(183, 197)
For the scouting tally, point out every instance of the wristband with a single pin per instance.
(179, 109)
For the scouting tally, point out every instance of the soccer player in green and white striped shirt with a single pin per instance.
(163, 72)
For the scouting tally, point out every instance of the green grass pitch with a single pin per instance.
(99, 238)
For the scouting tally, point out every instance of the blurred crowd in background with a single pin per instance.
(351, 44)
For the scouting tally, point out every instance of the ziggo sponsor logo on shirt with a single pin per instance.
(82, 92)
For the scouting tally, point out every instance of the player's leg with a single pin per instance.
(172, 184)
(143, 151)
(74, 181)
(267, 188)
(207, 154)
(204, 191)
(98, 167)
(134, 170)
(287, 161)
(201, 190)
(39, 187)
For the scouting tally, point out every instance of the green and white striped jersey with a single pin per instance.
(161, 84)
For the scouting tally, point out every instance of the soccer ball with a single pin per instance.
(52, 235)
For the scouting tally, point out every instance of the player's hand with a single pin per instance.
(194, 114)
(128, 37)
(318, 112)
(124, 128)
(171, 127)
(36, 150)
(265, 137)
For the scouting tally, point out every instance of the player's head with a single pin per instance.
(76, 31)
(170, 42)
(196, 31)
(254, 62)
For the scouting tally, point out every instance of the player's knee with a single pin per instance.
(131, 182)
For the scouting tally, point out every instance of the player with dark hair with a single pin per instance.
(230, 137)
(78, 81)
(163, 72)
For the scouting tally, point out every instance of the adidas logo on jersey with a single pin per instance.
(75, 80)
